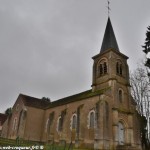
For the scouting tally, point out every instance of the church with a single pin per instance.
(102, 118)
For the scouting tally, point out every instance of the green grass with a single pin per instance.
(11, 142)
(23, 143)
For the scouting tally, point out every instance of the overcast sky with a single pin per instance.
(46, 45)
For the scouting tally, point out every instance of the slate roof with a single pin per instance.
(109, 39)
(42, 104)
(3, 117)
(34, 102)
(76, 97)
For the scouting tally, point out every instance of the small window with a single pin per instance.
(59, 124)
(119, 69)
(14, 124)
(102, 68)
(105, 68)
(74, 122)
(92, 119)
(121, 133)
(51, 118)
(120, 96)
(47, 125)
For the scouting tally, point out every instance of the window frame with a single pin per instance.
(59, 124)
(91, 125)
(14, 127)
(92, 120)
(74, 122)
(102, 67)
(120, 95)
(119, 68)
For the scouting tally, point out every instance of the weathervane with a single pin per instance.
(108, 7)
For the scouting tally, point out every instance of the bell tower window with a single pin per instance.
(102, 68)
(119, 68)
(105, 68)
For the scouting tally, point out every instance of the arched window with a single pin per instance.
(46, 125)
(59, 124)
(74, 121)
(119, 68)
(121, 133)
(60, 120)
(120, 95)
(105, 68)
(20, 119)
(102, 68)
(14, 124)
(91, 119)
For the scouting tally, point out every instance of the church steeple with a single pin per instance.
(110, 64)
(109, 40)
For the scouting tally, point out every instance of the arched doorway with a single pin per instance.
(121, 133)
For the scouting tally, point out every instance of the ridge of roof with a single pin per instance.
(75, 97)
(34, 102)
(41, 104)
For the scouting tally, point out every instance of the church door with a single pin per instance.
(121, 133)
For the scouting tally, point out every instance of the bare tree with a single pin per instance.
(140, 90)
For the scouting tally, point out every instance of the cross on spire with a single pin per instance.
(108, 7)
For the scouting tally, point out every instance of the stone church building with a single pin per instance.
(103, 117)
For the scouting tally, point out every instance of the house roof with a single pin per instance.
(34, 102)
(42, 104)
(109, 39)
(3, 117)
(76, 97)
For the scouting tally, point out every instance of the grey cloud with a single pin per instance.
(46, 46)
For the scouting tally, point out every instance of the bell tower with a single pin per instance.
(110, 71)
(110, 64)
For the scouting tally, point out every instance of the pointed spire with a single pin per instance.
(109, 40)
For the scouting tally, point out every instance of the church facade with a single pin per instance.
(103, 117)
